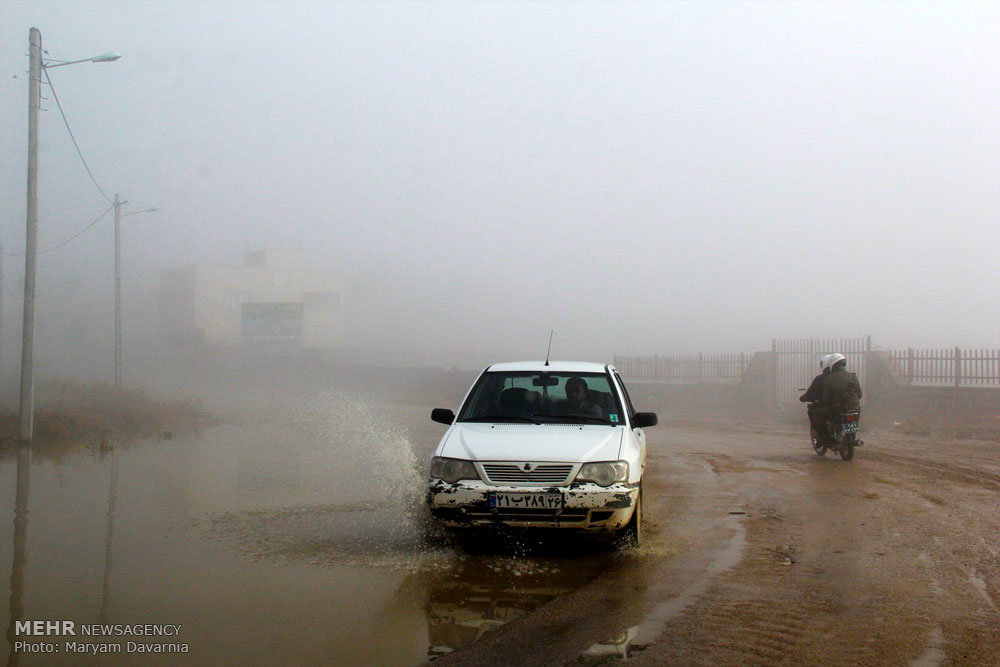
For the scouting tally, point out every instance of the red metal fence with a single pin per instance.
(684, 368)
(955, 367)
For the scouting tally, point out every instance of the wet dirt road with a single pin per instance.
(293, 532)
(761, 552)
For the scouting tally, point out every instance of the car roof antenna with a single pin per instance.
(548, 351)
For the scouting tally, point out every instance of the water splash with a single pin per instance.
(359, 462)
(357, 441)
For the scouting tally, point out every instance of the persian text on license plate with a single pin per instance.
(547, 501)
(851, 427)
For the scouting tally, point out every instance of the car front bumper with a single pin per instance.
(584, 506)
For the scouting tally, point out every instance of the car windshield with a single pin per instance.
(543, 397)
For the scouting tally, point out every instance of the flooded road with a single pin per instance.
(292, 533)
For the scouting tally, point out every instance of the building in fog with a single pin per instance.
(273, 304)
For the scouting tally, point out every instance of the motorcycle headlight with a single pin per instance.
(603, 474)
(452, 470)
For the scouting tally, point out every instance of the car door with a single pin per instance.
(637, 433)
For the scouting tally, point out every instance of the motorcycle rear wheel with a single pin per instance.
(847, 448)
(818, 446)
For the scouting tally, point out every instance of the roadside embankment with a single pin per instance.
(83, 416)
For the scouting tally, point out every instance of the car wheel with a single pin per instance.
(632, 532)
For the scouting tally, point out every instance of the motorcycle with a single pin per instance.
(841, 434)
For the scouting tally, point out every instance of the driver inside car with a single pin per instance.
(578, 402)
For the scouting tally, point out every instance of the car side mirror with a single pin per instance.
(643, 419)
(443, 416)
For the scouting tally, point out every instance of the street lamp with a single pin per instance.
(103, 58)
(118, 284)
(31, 242)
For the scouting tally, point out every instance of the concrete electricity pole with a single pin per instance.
(35, 67)
(2, 300)
(31, 243)
(118, 283)
(118, 294)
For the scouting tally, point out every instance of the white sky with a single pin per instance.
(643, 177)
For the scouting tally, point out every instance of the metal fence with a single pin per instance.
(796, 362)
(955, 367)
(684, 368)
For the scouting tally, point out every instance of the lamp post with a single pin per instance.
(118, 284)
(35, 67)
(103, 58)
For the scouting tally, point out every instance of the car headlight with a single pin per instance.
(452, 470)
(603, 474)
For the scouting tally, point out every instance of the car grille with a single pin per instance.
(515, 515)
(545, 474)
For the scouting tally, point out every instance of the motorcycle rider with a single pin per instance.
(814, 396)
(841, 389)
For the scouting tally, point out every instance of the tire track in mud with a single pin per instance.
(809, 589)
(948, 470)
(787, 603)
(830, 573)
(960, 520)
(731, 623)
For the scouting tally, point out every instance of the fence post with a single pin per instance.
(909, 366)
(699, 368)
(774, 375)
(866, 364)
(656, 368)
(740, 386)
(958, 381)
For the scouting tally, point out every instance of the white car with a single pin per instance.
(542, 445)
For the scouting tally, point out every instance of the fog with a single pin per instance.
(641, 178)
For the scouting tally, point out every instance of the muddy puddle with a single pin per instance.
(293, 534)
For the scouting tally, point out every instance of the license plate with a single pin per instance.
(851, 427)
(549, 501)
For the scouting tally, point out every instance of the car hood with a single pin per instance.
(569, 443)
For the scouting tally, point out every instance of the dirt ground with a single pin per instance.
(758, 551)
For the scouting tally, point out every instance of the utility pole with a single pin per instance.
(35, 67)
(31, 241)
(118, 203)
(118, 294)
(2, 287)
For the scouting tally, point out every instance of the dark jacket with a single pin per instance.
(841, 390)
(815, 390)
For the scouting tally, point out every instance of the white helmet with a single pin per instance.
(832, 359)
(822, 361)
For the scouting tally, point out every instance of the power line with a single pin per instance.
(56, 247)
(91, 224)
(78, 151)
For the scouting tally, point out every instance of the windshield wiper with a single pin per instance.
(500, 418)
(596, 420)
